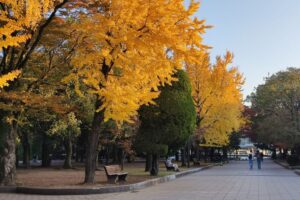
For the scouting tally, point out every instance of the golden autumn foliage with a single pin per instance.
(18, 21)
(130, 47)
(19, 18)
(8, 77)
(217, 96)
(127, 49)
(118, 51)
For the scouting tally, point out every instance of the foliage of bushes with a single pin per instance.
(292, 160)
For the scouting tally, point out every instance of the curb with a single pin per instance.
(282, 165)
(297, 172)
(99, 190)
(287, 167)
(8, 189)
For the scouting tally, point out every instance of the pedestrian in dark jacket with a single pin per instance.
(262, 156)
(258, 159)
(250, 160)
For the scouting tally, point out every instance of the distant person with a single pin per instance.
(258, 159)
(35, 158)
(250, 159)
(170, 164)
(262, 156)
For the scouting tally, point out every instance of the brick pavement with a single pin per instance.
(229, 182)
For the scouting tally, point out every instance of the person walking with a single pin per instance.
(262, 156)
(258, 159)
(250, 160)
(170, 164)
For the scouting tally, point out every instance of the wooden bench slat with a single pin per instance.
(114, 173)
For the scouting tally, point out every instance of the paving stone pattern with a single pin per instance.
(233, 181)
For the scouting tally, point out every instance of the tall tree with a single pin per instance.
(21, 27)
(128, 49)
(276, 103)
(67, 129)
(217, 97)
(169, 123)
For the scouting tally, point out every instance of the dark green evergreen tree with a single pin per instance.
(169, 123)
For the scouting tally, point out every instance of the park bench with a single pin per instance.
(114, 173)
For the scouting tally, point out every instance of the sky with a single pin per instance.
(264, 35)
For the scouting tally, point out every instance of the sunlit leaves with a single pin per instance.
(4, 80)
(20, 18)
(18, 22)
(134, 38)
(217, 97)
(70, 126)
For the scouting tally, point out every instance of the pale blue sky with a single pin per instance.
(264, 35)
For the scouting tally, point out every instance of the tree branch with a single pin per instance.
(40, 31)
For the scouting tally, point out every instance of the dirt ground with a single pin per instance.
(59, 177)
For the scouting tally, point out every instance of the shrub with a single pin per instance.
(274, 156)
(292, 160)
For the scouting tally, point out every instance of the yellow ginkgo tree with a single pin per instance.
(128, 49)
(19, 18)
(22, 23)
(217, 97)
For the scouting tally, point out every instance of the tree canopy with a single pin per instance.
(172, 119)
(217, 97)
(131, 48)
(169, 122)
(276, 103)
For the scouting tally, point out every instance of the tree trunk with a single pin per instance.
(46, 160)
(148, 162)
(115, 154)
(284, 153)
(205, 154)
(155, 165)
(97, 159)
(68, 148)
(17, 157)
(177, 156)
(81, 143)
(197, 155)
(8, 154)
(121, 158)
(211, 154)
(188, 153)
(26, 150)
(297, 150)
(107, 155)
(225, 154)
(274, 156)
(92, 145)
(183, 157)
(76, 150)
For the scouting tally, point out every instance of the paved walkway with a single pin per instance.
(229, 182)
